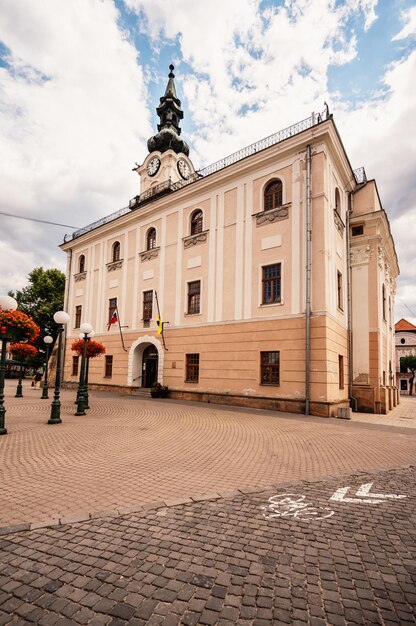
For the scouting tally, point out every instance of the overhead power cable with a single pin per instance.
(34, 219)
(407, 307)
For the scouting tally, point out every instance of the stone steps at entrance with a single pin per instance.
(141, 391)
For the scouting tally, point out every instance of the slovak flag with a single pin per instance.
(114, 319)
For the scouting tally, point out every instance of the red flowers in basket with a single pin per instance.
(17, 325)
(23, 351)
(94, 348)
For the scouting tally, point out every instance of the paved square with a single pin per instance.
(161, 512)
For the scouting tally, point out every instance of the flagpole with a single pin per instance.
(121, 334)
(158, 312)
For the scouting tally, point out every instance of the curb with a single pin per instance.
(76, 518)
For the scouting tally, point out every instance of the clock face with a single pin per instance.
(153, 166)
(184, 169)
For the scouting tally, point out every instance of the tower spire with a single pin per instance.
(170, 114)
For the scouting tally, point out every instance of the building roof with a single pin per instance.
(404, 325)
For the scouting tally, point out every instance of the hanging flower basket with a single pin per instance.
(16, 326)
(23, 351)
(94, 348)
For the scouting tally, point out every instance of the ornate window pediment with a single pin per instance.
(194, 240)
(147, 255)
(80, 276)
(114, 265)
(272, 215)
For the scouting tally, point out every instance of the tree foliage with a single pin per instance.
(43, 296)
(409, 362)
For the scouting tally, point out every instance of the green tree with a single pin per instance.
(409, 362)
(43, 296)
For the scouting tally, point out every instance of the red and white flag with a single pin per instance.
(114, 319)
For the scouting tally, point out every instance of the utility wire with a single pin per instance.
(408, 308)
(34, 219)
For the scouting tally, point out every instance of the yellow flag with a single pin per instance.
(159, 325)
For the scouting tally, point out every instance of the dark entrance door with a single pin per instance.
(149, 366)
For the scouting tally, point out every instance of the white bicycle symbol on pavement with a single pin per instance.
(291, 505)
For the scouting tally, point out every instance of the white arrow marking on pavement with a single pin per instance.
(365, 495)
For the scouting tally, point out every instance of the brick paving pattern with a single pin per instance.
(130, 451)
(222, 562)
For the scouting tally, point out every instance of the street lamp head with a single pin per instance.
(85, 328)
(61, 317)
(7, 303)
(91, 334)
(48, 339)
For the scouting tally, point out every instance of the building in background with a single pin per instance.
(274, 270)
(405, 346)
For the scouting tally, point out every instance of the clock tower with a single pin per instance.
(168, 154)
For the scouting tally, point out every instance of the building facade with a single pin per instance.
(405, 346)
(273, 271)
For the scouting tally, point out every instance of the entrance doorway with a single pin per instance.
(149, 366)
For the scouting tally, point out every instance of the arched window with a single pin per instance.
(81, 264)
(151, 239)
(273, 195)
(383, 295)
(116, 251)
(196, 222)
(337, 201)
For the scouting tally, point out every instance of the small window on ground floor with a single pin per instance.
(341, 371)
(75, 363)
(270, 368)
(192, 368)
(108, 372)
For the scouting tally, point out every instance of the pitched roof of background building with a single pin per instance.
(404, 325)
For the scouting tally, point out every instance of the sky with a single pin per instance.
(80, 81)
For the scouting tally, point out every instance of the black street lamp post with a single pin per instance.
(86, 395)
(82, 400)
(19, 388)
(47, 340)
(7, 303)
(61, 318)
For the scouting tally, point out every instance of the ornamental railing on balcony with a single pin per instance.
(169, 187)
(271, 140)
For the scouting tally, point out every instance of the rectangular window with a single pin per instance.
(403, 384)
(194, 297)
(357, 230)
(270, 368)
(271, 283)
(108, 372)
(192, 368)
(112, 305)
(78, 313)
(384, 378)
(340, 301)
(341, 371)
(147, 305)
(75, 362)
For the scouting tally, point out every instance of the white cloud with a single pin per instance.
(73, 118)
(409, 28)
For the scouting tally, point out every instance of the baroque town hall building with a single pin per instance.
(274, 272)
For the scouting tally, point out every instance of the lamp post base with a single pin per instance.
(3, 431)
(44, 395)
(55, 417)
(54, 420)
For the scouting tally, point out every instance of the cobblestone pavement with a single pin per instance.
(230, 560)
(129, 451)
